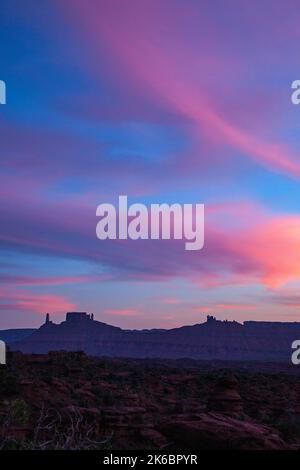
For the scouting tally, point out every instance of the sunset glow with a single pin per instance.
(164, 102)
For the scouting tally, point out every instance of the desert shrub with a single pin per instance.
(96, 390)
(108, 399)
(12, 444)
(114, 378)
(289, 427)
(19, 411)
(9, 384)
(47, 376)
(177, 408)
(71, 432)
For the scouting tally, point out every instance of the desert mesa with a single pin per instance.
(212, 340)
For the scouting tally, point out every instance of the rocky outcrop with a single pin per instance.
(218, 431)
(225, 397)
(69, 400)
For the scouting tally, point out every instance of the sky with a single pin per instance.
(174, 101)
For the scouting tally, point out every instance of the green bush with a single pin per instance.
(19, 411)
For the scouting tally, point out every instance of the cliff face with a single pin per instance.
(211, 340)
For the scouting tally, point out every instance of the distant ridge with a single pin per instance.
(15, 334)
(212, 340)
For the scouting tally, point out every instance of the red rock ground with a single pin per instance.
(71, 401)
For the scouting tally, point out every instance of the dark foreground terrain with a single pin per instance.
(70, 401)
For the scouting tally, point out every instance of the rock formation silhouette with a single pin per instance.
(212, 340)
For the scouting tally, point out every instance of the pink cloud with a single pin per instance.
(239, 307)
(170, 301)
(38, 303)
(274, 247)
(259, 249)
(151, 48)
(244, 244)
(220, 307)
(122, 312)
(51, 281)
